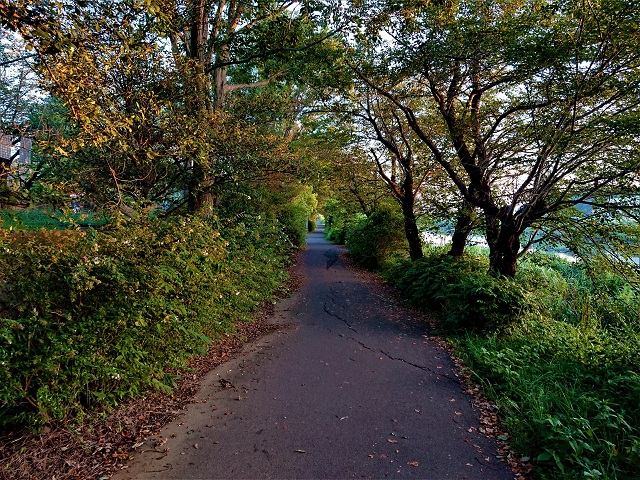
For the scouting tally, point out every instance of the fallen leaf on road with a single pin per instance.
(413, 464)
(390, 440)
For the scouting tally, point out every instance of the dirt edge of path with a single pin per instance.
(100, 447)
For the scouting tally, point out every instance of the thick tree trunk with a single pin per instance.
(201, 199)
(492, 232)
(220, 79)
(507, 246)
(411, 228)
(464, 225)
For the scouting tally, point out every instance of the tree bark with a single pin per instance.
(504, 259)
(464, 225)
(492, 232)
(201, 198)
(411, 228)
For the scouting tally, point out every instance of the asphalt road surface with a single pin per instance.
(350, 387)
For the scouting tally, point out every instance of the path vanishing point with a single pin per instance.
(349, 387)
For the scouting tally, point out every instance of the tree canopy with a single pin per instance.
(539, 102)
(521, 110)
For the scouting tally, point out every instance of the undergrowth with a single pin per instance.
(88, 319)
(557, 348)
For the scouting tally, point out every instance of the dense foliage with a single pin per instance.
(90, 318)
(371, 239)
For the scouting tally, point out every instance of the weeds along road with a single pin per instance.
(349, 387)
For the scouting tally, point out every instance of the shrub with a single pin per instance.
(90, 318)
(467, 297)
(562, 399)
(337, 220)
(294, 221)
(372, 239)
(311, 225)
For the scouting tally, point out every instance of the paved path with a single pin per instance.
(344, 392)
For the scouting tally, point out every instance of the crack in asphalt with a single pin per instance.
(421, 367)
(333, 294)
(332, 297)
(397, 359)
(335, 315)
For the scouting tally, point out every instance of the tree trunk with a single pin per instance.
(505, 258)
(201, 199)
(411, 228)
(464, 225)
(491, 233)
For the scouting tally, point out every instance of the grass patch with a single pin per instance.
(48, 219)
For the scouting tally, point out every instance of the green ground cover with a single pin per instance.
(49, 219)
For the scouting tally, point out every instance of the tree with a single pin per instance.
(397, 162)
(212, 41)
(19, 96)
(539, 101)
(148, 87)
(18, 84)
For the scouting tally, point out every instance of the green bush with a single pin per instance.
(565, 398)
(294, 221)
(90, 318)
(467, 297)
(372, 239)
(337, 221)
(311, 225)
